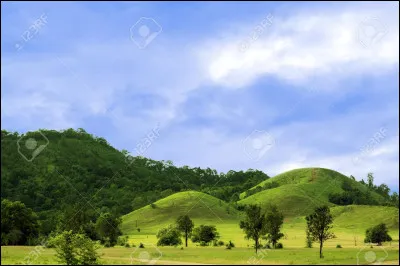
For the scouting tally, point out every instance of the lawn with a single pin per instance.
(219, 255)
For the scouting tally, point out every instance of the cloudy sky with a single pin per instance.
(269, 86)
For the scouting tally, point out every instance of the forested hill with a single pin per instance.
(75, 167)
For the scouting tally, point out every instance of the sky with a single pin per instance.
(272, 86)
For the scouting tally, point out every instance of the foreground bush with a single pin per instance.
(75, 249)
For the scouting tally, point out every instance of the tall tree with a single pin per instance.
(254, 224)
(273, 224)
(319, 224)
(370, 180)
(107, 227)
(185, 225)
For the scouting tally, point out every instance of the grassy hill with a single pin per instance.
(298, 191)
(201, 207)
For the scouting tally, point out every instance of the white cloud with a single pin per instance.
(298, 48)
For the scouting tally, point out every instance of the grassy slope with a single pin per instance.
(201, 207)
(298, 193)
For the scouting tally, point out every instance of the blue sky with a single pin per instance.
(270, 86)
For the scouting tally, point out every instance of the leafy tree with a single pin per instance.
(185, 225)
(370, 179)
(107, 227)
(169, 236)
(75, 249)
(319, 224)
(254, 225)
(273, 224)
(377, 234)
(205, 234)
(19, 224)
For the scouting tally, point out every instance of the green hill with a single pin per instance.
(201, 207)
(298, 191)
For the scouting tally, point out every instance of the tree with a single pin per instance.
(254, 225)
(75, 249)
(107, 227)
(377, 234)
(273, 224)
(205, 233)
(370, 178)
(19, 224)
(319, 224)
(169, 236)
(185, 225)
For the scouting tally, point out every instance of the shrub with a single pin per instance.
(215, 243)
(230, 245)
(268, 246)
(203, 244)
(122, 240)
(138, 230)
(127, 245)
(338, 246)
(221, 243)
(181, 248)
(141, 245)
(279, 246)
(153, 205)
(75, 249)
(169, 236)
(205, 233)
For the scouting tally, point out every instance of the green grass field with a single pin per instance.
(350, 223)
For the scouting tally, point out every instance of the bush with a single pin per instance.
(169, 236)
(181, 248)
(215, 243)
(230, 245)
(268, 246)
(141, 245)
(205, 233)
(138, 230)
(221, 243)
(153, 205)
(75, 249)
(127, 245)
(338, 246)
(122, 240)
(203, 244)
(279, 246)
